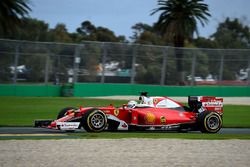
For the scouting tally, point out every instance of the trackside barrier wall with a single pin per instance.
(92, 89)
(30, 90)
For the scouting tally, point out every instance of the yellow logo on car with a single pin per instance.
(116, 112)
(150, 118)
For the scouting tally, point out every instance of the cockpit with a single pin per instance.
(155, 102)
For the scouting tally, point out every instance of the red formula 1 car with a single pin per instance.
(160, 113)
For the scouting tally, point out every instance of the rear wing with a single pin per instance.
(210, 103)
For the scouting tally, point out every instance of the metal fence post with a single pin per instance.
(104, 55)
(248, 71)
(46, 74)
(133, 70)
(193, 69)
(77, 61)
(16, 63)
(221, 68)
(164, 66)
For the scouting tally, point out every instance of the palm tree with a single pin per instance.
(11, 11)
(178, 22)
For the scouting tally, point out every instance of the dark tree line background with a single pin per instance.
(15, 23)
(231, 33)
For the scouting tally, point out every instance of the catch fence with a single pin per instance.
(103, 62)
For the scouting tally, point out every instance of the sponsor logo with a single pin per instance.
(149, 118)
(116, 112)
(212, 104)
(68, 125)
(106, 111)
(217, 108)
(163, 120)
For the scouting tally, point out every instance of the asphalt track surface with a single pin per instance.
(32, 130)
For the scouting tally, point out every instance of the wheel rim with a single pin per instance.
(98, 121)
(213, 122)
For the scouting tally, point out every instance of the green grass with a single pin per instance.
(237, 116)
(22, 111)
(160, 135)
(122, 135)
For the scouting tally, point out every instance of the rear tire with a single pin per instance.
(94, 120)
(209, 122)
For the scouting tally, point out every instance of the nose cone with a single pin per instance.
(52, 125)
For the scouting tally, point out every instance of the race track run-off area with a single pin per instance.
(70, 150)
(125, 152)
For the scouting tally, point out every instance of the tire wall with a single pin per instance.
(96, 89)
(92, 89)
(30, 90)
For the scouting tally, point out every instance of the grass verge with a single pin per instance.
(156, 135)
(124, 135)
(22, 111)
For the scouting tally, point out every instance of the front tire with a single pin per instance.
(209, 122)
(94, 120)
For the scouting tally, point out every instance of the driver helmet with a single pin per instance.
(132, 104)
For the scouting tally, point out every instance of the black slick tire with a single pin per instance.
(209, 122)
(94, 120)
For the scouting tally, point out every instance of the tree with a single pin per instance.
(148, 58)
(86, 28)
(11, 11)
(232, 34)
(178, 22)
(202, 42)
(146, 34)
(60, 34)
(90, 32)
(140, 28)
(31, 30)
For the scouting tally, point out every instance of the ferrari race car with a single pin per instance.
(204, 114)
